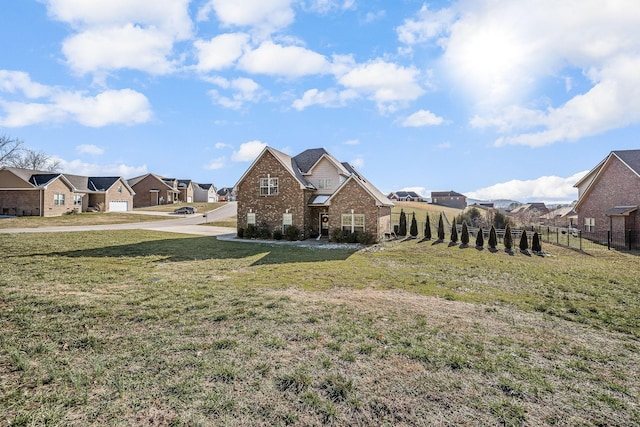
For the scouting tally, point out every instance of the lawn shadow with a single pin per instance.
(206, 247)
(525, 252)
(480, 248)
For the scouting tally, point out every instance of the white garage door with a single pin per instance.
(118, 206)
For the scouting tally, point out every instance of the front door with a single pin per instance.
(324, 224)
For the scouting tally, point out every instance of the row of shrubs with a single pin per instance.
(264, 232)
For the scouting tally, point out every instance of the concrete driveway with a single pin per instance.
(187, 224)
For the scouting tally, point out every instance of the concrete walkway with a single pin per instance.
(187, 224)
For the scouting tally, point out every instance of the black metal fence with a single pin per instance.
(563, 236)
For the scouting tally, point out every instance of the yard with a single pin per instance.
(150, 328)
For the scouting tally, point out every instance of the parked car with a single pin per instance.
(186, 210)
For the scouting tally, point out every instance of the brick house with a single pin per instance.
(205, 193)
(449, 198)
(312, 191)
(154, 190)
(226, 194)
(25, 192)
(609, 195)
(405, 196)
(186, 187)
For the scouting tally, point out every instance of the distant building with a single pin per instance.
(565, 216)
(537, 207)
(449, 198)
(405, 196)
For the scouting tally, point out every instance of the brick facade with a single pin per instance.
(153, 191)
(296, 193)
(616, 185)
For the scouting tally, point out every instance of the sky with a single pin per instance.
(495, 99)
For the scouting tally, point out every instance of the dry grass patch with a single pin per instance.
(138, 327)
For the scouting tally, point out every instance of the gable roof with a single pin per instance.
(308, 159)
(630, 158)
(380, 199)
(286, 161)
(401, 194)
(76, 182)
(164, 181)
(446, 194)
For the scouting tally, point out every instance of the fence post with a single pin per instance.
(629, 238)
(580, 238)
(609, 239)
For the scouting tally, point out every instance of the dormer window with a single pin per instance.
(268, 186)
(324, 183)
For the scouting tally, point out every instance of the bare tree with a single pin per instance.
(9, 149)
(35, 160)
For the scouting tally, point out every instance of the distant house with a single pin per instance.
(312, 191)
(205, 193)
(449, 198)
(186, 187)
(25, 192)
(536, 208)
(154, 190)
(564, 216)
(226, 194)
(609, 195)
(405, 196)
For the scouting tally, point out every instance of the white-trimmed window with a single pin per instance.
(58, 199)
(287, 220)
(353, 222)
(268, 186)
(324, 183)
(589, 224)
(251, 218)
(77, 200)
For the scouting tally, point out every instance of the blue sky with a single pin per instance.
(492, 98)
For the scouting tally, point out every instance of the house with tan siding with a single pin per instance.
(609, 195)
(312, 191)
(25, 192)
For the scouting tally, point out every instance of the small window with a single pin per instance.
(251, 218)
(77, 200)
(324, 183)
(268, 186)
(353, 222)
(589, 224)
(58, 199)
(120, 189)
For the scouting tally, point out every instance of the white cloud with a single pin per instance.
(422, 118)
(328, 98)
(218, 163)
(422, 191)
(54, 105)
(266, 16)
(248, 151)
(358, 162)
(543, 188)
(78, 167)
(122, 34)
(500, 60)
(245, 90)
(221, 51)
(325, 6)
(221, 145)
(89, 149)
(386, 83)
(288, 61)
(352, 142)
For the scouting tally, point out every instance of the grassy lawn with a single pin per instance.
(149, 328)
(202, 207)
(421, 209)
(85, 218)
(227, 222)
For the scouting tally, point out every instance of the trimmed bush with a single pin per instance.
(427, 228)
(251, 232)
(413, 231)
(277, 234)
(454, 232)
(264, 232)
(402, 228)
(508, 238)
(480, 238)
(440, 228)
(493, 238)
(535, 244)
(524, 241)
(464, 237)
(292, 233)
(336, 235)
(240, 233)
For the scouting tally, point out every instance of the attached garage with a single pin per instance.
(118, 206)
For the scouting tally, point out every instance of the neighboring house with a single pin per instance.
(536, 208)
(25, 192)
(405, 196)
(153, 190)
(449, 198)
(226, 194)
(564, 216)
(186, 187)
(609, 195)
(205, 193)
(312, 191)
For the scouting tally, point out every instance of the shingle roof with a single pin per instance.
(446, 194)
(78, 182)
(630, 157)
